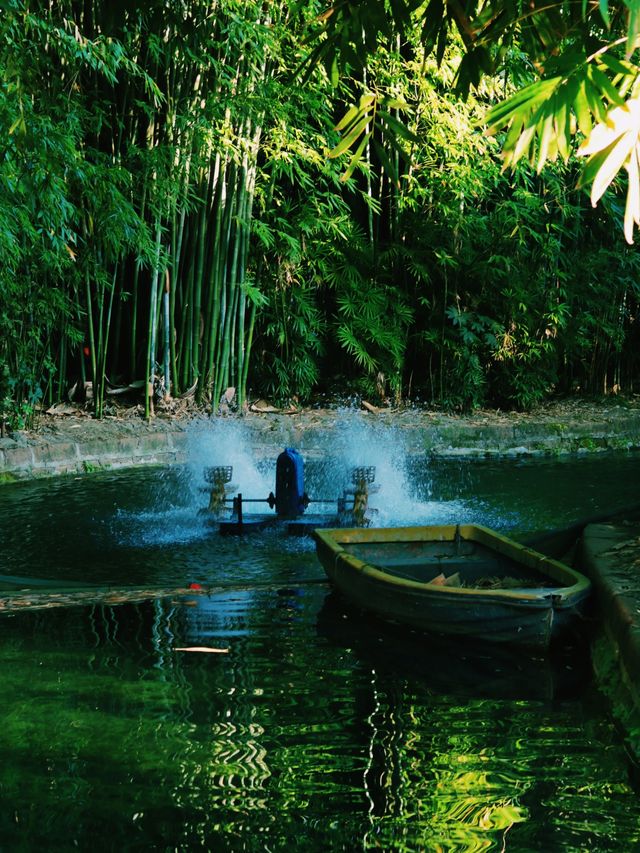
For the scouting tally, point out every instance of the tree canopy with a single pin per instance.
(180, 217)
(566, 70)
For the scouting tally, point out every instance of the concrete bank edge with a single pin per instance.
(109, 445)
(608, 553)
(37, 459)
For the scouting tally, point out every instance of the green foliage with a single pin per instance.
(175, 211)
(372, 314)
(290, 341)
(585, 70)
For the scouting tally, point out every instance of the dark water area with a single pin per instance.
(314, 728)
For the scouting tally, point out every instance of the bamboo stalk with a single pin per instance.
(167, 353)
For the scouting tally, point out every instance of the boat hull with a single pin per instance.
(389, 572)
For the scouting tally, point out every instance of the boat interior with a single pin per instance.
(456, 563)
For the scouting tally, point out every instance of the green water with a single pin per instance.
(316, 730)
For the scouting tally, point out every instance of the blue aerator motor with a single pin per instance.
(291, 500)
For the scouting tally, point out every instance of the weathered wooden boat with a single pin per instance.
(462, 580)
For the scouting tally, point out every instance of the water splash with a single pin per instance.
(176, 515)
(158, 526)
(226, 442)
(406, 490)
(402, 493)
(398, 499)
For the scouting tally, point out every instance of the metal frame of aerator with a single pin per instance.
(362, 478)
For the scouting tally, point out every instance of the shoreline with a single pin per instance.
(77, 443)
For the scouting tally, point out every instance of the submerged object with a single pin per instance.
(463, 580)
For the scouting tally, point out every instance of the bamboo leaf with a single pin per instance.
(616, 155)
(524, 143)
(387, 165)
(546, 134)
(592, 166)
(617, 121)
(632, 207)
(562, 124)
(581, 107)
(349, 139)
(398, 127)
(633, 25)
(522, 103)
(348, 118)
(598, 110)
(605, 85)
(335, 71)
(355, 159)
(433, 20)
(366, 101)
(18, 125)
(617, 65)
(395, 104)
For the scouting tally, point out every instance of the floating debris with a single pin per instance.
(207, 649)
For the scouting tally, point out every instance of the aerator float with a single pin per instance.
(290, 501)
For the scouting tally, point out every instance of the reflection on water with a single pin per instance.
(297, 738)
(318, 729)
(454, 666)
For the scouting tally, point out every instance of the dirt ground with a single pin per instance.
(76, 422)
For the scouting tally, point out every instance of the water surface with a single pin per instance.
(315, 728)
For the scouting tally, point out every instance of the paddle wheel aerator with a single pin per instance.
(218, 479)
(290, 500)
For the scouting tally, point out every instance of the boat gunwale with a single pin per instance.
(559, 597)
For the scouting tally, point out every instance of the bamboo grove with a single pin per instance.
(176, 215)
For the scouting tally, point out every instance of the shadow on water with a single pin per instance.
(455, 666)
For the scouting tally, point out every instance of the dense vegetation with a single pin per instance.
(179, 212)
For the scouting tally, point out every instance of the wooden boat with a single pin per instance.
(463, 580)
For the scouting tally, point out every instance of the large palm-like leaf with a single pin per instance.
(615, 144)
(543, 118)
(583, 82)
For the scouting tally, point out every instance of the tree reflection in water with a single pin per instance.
(318, 730)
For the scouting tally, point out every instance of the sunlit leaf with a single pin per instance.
(347, 141)
(355, 159)
(546, 135)
(522, 102)
(632, 208)
(335, 71)
(618, 121)
(348, 118)
(612, 164)
(562, 124)
(581, 107)
(606, 86)
(633, 25)
(617, 65)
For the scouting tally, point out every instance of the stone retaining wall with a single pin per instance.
(25, 458)
(609, 554)
(73, 445)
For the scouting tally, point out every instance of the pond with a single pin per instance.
(313, 728)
